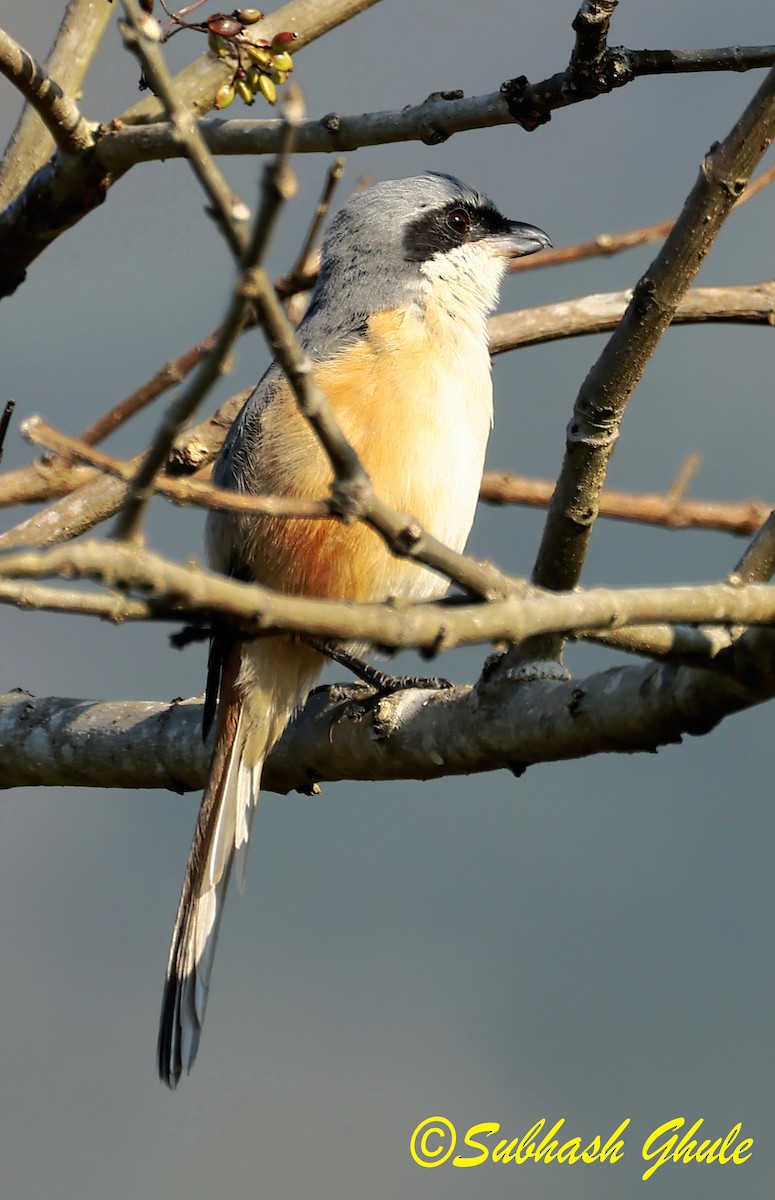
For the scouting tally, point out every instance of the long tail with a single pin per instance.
(262, 684)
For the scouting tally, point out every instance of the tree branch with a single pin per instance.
(605, 392)
(197, 83)
(177, 591)
(432, 121)
(68, 60)
(181, 491)
(646, 508)
(58, 112)
(247, 246)
(411, 735)
(752, 303)
(66, 190)
(74, 189)
(45, 479)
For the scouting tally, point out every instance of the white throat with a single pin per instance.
(464, 282)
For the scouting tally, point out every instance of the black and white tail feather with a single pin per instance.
(220, 843)
(256, 703)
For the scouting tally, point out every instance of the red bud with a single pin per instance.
(282, 41)
(223, 26)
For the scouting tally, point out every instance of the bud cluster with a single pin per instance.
(261, 65)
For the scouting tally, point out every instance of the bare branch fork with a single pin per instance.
(600, 405)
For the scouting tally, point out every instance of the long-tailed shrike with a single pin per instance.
(397, 333)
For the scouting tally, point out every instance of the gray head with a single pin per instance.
(400, 240)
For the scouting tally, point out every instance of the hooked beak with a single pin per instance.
(519, 241)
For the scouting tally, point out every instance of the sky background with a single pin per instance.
(592, 941)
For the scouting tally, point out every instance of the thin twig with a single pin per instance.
(5, 421)
(171, 374)
(683, 477)
(176, 370)
(210, 368)
(299, 275)
(71, 132)
(645, 508)
(181, 491)
(251, 284)
(294, 287)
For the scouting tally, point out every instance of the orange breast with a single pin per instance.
(415, 434)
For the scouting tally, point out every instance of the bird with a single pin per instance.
(396, 330)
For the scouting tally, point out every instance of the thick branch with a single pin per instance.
(412, 735)
(431, 121)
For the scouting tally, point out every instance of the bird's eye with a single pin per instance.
(459, 221)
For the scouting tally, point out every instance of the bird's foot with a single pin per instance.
(380, 683)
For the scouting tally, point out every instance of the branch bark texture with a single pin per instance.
(412, 735)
